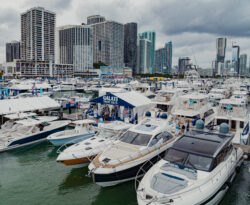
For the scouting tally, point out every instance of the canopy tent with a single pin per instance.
(133, 100)
(10, 106)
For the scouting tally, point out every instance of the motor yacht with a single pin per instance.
(80, 154)
(119, 163)
(198, 169)
(29, 131)
(166, 98)
(83, 130)
(193, 106)
(234, 112)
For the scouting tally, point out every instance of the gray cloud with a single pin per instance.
(192, 25)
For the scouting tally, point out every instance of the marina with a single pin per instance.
(112, 141)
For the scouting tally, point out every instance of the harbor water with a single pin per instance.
(31, 176)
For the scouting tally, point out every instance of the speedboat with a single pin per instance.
(80, 154)
(198, 169)
(142, 143)
(82, 131)
(30, 131)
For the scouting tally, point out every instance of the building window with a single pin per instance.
(99, 45)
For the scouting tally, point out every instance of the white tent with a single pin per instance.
(10, 106)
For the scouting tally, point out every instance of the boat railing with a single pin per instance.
(212, 179)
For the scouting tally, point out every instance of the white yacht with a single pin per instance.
(166, 98)
(217, 94)
(234, 112)
(83, 130)
(198, 169)
(80, 154)
(119, 163)
(193, 106)
(29, 131)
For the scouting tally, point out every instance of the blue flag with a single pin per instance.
(246, 129)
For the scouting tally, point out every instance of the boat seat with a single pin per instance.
(188, 172)
(174, 184)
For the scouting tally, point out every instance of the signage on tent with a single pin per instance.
(110, 100)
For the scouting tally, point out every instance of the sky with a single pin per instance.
(191, 25)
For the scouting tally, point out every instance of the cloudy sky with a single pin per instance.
(192, 25)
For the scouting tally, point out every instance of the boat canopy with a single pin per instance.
(9, 106)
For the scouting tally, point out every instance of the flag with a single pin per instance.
(246, 129)
(158, 115)
(188, 126)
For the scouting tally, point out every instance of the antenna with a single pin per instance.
(194, 57)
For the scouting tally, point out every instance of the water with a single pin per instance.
(32, 177)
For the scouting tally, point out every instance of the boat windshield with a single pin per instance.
(187, 159)
(136, 138)
(106, 133)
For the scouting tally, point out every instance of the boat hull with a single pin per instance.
(69, 140)
(33, 139)
(125, 175)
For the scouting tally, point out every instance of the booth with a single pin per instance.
(122, 106)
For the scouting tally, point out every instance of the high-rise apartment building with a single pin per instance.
(183, 64)
(163, 59)
(13, 51)
(221, 44)
(74, 46)
(243, 64)
(144, 49)
(95, 19)
(151, 36)
(108, 43)
(130, 45)
(38, 34)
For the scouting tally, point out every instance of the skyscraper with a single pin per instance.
(236, 58)
(144, 49)
(38, 34)
(243, 64)
(12, 51)
(182, 64)
(130, 45)
(95, 19)
(221, 44)
(108, 43)
(163, 59)
(74, 46)
(151, 36)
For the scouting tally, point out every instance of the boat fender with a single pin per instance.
(237, 169)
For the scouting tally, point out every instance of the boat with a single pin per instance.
(193, 106)
(120, 163)
(83, 130)
(198, 169)
(234, 112)
(30, 131)
(80, 154)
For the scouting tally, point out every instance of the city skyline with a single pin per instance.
(192, 33)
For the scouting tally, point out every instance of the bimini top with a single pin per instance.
(203, 142)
